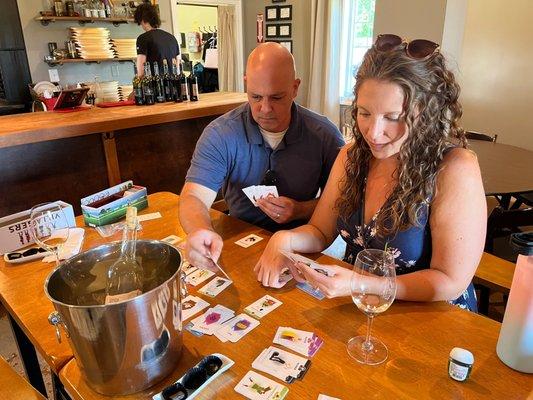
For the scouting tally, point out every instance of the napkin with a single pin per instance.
(71, 247)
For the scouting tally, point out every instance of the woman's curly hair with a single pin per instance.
(431, 111)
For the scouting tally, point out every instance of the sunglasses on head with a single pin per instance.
(193, 379)
(418, 49)
(30, 252)
(270, 178)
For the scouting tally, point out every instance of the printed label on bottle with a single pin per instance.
(457, 372)
(195, 90)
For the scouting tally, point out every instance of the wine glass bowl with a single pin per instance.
(373, 289)
(48, 227)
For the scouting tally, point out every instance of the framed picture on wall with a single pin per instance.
(287, 44)
(284, 30)
(271, 13)
(271, 31)
(279, 1)
(285, 13)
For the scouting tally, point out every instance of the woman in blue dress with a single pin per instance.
(406, 183)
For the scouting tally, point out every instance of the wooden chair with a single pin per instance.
(504, 222)
(471, 135)
(221, 206)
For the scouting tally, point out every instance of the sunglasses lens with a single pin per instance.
(211, 364)
(421, 48)
(30, 252)
(174, 392)
(194, 378)
(41, 250)
(14, 256)
(387, 42)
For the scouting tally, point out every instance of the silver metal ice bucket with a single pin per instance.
(124, 347)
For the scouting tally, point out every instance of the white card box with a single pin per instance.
(15, 228)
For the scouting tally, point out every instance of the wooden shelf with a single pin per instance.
(88, 60)
(83, 20)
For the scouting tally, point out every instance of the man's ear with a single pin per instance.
(295, 86)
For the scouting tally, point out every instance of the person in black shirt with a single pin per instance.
(154, 44)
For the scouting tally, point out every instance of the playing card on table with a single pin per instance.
(187, 268)
(307, 288)
(198, 276)
(237, 327)
(172, 239)
(281, 364)
(258, 387)
(214, 287)
(249, 240)
(307, 261)
(263, 306)
(212, 319)
(191, 305)
(324, 397)
(303, 342)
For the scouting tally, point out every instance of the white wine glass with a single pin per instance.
(373, 288)
(49, 227)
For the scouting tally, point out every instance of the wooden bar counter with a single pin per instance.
(54, 155)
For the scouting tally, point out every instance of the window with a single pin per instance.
(357, 30)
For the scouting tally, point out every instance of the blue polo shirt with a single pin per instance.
(231, 155)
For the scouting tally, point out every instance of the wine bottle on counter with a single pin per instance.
(125, 276)
(184, 85)
(167, 82)
(158, 84)
(176, 87)
(193, 81)
(147, 85)
(137, 87)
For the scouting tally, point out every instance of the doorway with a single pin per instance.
(195, 23)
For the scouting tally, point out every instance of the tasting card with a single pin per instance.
(215, 286)
(198, 276)
(263, 306)
(192, 305)
(324, 397)
(235, 328)
(211, 320)
(285, 276)
(281, 364)
(249, 240)
(307, 261)
(187, 268)
(303, 342)
(257, 192)
(258, 387)
(172, 239)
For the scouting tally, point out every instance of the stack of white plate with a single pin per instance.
(125, 48)
(92, 42)
(124, 91)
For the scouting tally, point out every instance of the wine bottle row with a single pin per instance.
(166, 87)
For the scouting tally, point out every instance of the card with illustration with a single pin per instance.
(187, 268)
(198, 276)
(303, 342)
(307, 288)
(237, 327)
(294, 257)
(263, 306)
(249, 240)
(260, 192)
(281, 364)
(217, 285)
(192, 305)
(212, 319)
(258, 387)
(285, 276)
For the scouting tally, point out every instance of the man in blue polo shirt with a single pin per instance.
(269, 140)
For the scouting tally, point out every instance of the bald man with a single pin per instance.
(270, 140)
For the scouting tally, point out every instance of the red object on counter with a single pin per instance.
(116, 103)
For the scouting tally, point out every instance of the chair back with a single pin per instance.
(471, 135)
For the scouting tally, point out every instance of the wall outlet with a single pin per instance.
(54, 75)
(114, 70)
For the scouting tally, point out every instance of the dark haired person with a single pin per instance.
(406, 183)
(154, 44)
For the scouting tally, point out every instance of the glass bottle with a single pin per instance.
(183, 84)
(137, 87)
(125, 276)
(176, 87)
(167, 82)
(193, 83)
(158, 85)
(147, 85)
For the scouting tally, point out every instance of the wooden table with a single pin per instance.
(505, 169)
(13, 386)
(419, 336)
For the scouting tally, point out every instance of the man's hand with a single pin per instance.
(272, 262)
(280, 209)
(202, 248)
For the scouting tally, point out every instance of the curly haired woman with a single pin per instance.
(406, 183)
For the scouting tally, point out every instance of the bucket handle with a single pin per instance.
(55, 319)
(183, 285)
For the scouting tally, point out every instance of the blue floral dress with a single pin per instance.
(411, 248)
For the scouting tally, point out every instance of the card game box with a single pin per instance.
(109, 205)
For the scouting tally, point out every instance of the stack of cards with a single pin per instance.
(257, 387)
(210, 321)
(262, 307)
(281, 364)
(191, 305)
(260, 192)
(217, 285)
(303, 342)
(249, 240)
(237, 327)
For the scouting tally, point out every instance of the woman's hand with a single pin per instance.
(337, 285)
(272, 262)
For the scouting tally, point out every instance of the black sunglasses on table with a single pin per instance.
(30, 252)
(418, 49)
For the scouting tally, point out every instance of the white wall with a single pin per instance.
(497, 70)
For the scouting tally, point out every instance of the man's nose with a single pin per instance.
(266, 107)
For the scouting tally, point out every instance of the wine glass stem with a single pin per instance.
(56, 255)
(367, 345)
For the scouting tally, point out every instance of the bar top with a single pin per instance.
(42, 126)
